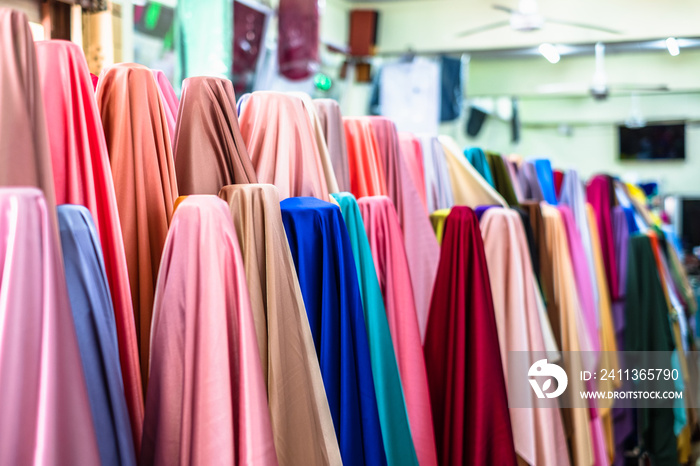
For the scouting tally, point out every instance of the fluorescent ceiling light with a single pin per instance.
(672, 46)
(549, 52)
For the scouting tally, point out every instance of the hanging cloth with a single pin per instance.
(558, 181)
(206, 399)
(438, 187)
(532, 190)
(599, 195)
(302, 425)
(170, 102)
(412, 153)
(93, 316)
(393, 417)
(465, 375)
(384, 233)
(209, 149)
(477, 158)
(82, 176)
(543, 167)
(366, 170)
(331, 121)
(325, 265)
(46, 417)
(501, 179)
(513, 171)
(133, 118)
(280, 139)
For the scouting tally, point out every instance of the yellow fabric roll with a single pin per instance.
(438, 218)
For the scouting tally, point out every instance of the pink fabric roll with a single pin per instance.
(412, 151)
(46, 417)
(82, 175)
(385, 239)
(277, 131)
(332, 123)
(366, 171)
(170, 102)
(206, 401)
(422, 248)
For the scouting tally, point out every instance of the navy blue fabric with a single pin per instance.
(546, 179)
(451, 89)
(97, 334)
(323, 257)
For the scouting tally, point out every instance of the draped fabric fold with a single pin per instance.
(133, 119)
(301, 419)
(280, 138)
(437, 219)
(206, 400)
(46, 417)
(170, 102)
(209, 150)
(543, 167)
(412, 153)
(501, 179)
(393, 416)
(600, 196)
(438, 186)
(384, 234)
(465, 373)
(93, 316)
(366, 170)
(82, 176)
(331, 121)
(532, 189)
(477, 158)
(323, 258)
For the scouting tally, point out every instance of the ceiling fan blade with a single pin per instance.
(564, 88)
(503, 8)
(486, 27)
(640, 87)
(583, 25)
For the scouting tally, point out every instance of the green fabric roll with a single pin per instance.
(501, 178)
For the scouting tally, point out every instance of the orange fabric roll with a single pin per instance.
(364, 160)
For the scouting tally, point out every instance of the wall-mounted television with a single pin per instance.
(656, 141)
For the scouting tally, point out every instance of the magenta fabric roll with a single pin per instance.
(170, 102)
(599, 194)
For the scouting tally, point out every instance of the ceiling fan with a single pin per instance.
(526, 17)
(599, 88)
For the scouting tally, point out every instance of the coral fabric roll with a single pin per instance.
(366, 171)
(206, 401)
(133, 118)
(46, 417)
(412, 152)
(93, 316)
(438, 186)
(301, 419)
(209, 149)
(170, 102)
(384, 233)
(465, 374)
(277, 131)
(331, 121)
(82, 175)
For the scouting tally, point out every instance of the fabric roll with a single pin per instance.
(324, 262)
(534, 212)
(366, 171)
(465, 374)
(280, 139)
(393, 417)
(94, 81)
(469, 187)
(412, 153)
(206, 398)
(558, 176)
(422, 249)
(538, 433)
(437, 219)
(543, 167)
(477, 158)
(46, 417)
(301, 419)
(599, 195)
(134, 123)
(531, 241)
(438, 186)
(512, 168)
(532, 189)
(82, 176)
(331, 121)
(170, 102)
(93, 316)
(209, 149)
(384, 233)
(501, 179)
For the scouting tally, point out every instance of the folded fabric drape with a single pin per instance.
(366, 171)
(331, 121)
(558, 181)
(82, 175)
(206, 400)
(513, 169)
(530, 183)
(600, 196)
(477, 158)
(133, 119)
(301, 419)
(384, 233)
(93, 316)
(46, 417)
(465, 374)
(412, 153)
(170, 102)
(437, 219)
(277, 131)
(543, 167)
(325, 265)
(501, 179)
(393, 416)
(438, 186)
(209, 149)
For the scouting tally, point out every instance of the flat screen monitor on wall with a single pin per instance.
(658, 141)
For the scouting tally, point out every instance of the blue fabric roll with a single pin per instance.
(97, 334)
(477, 158)
(323, 257)
(546, 179)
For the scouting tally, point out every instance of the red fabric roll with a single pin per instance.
(599, 195)
(558, 181)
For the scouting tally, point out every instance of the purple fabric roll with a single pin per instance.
(483, 208)
(529, 182)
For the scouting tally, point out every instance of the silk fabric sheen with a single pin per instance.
(133, 118)
(277, 131)
(465, 374)
(209, 149)
(301, 419)
(82, 176)
(366, 171)
(206, 400)
(331, 121)
(170, 102)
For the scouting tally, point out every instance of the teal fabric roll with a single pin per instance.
(393, 416)
(477, 158)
